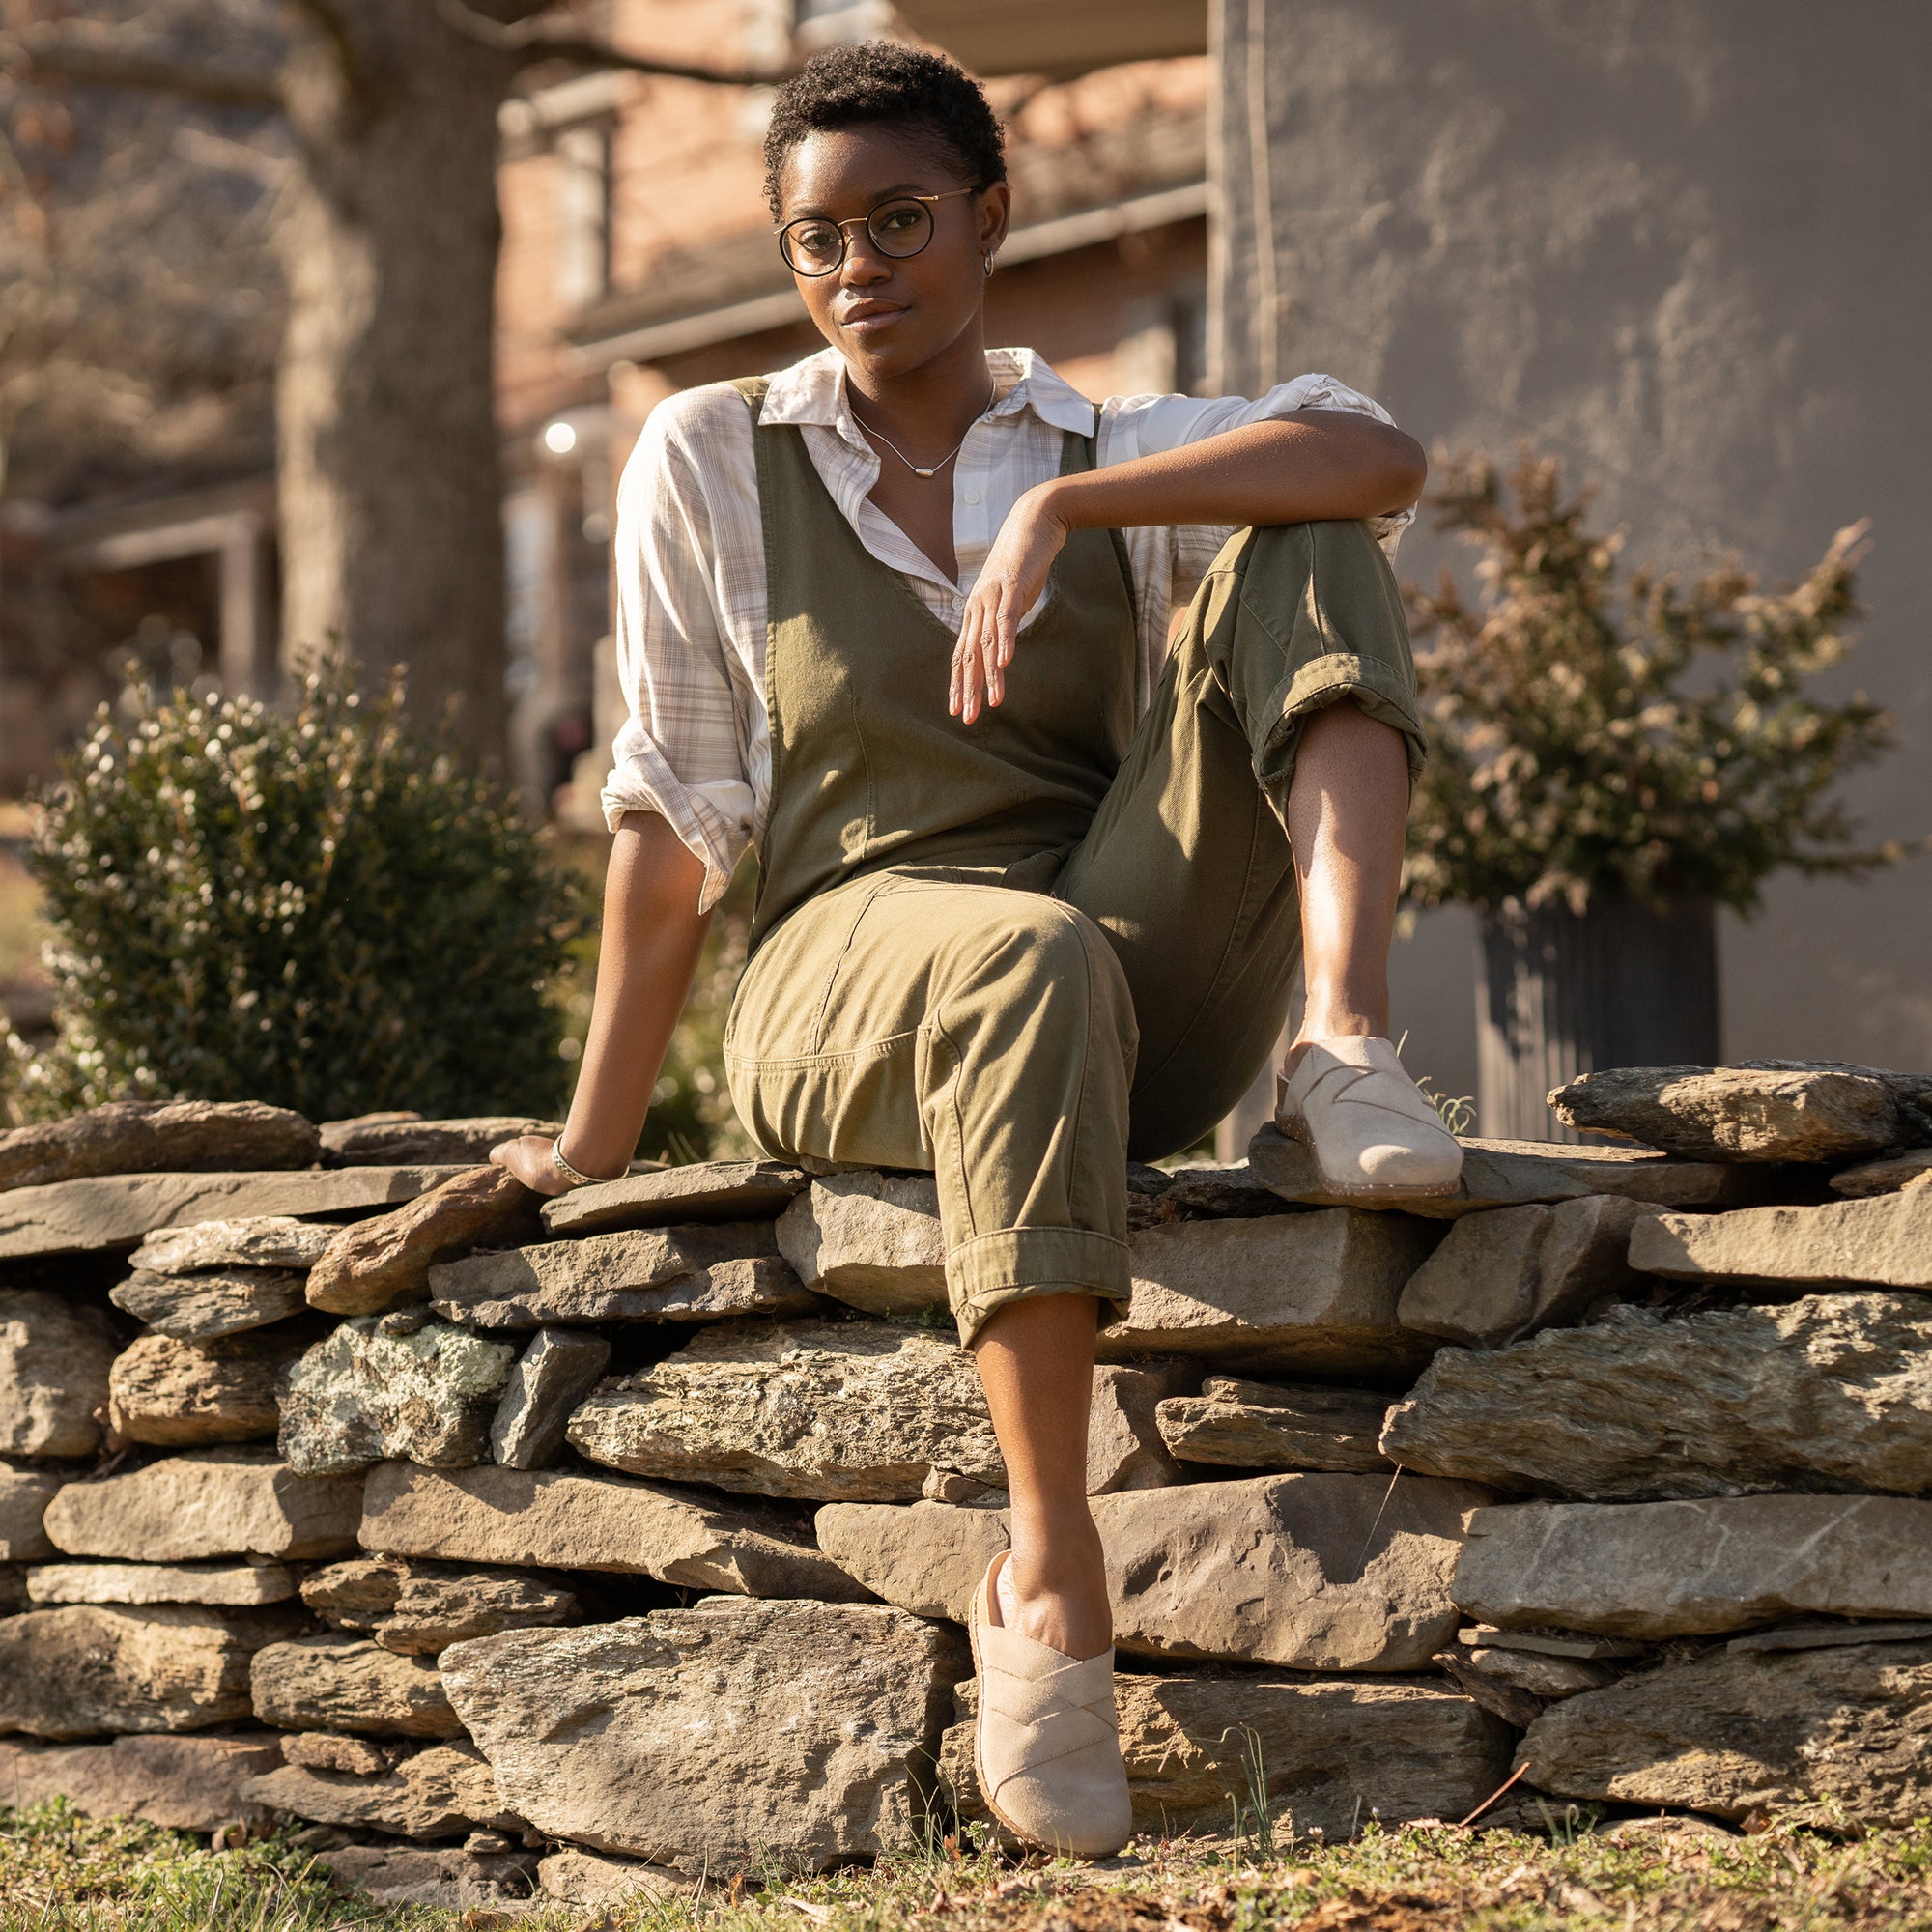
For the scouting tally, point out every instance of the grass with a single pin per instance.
(59, 1871)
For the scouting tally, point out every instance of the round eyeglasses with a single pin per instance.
(816, 245)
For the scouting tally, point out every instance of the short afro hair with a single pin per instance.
(893, 85)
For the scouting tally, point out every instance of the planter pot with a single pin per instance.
(1558, 995)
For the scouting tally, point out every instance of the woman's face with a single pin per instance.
(891, 315)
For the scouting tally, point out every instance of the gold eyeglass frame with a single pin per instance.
(864, 221)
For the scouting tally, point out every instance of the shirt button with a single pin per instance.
(972, 496)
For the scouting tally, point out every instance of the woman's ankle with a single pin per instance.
(1058, 1595)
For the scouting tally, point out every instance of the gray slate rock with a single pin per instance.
(436, 1793)
(181, 1783)
(388, 1140)
(1500, 1276)
(1885, 1176)
(1512, 1173)
(418, 1609)
(1263, 1426)
(25, 1496)
(348, 1684)
(1829, 1393)
(1811, 1737)
(1313, 1293)
(445, 1881)
(250, 1241)
(1739, 1113)
(585, 1877)
(693, 1273)
(1884, 1242)
(1544, 1677)
(1339, 1755)
(558, 1520)
(82, 1670)
(834, 1411)
(150, 1137)
(558, 1368)
(363, 1395)
(1693, 1568)
(234, 1584)
(1315, 1572)
(180, 1394)
(1218, 1193)
(872, 1241)
(820, 1723)
(116, 1211)
(1125, 1449)
(208, 1503)
(54, 1363)
(1830, 1636)
(717, 1190)
(205, 1307)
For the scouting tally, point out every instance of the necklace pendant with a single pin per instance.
(918, 471)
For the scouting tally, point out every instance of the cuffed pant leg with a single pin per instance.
(982, 1033)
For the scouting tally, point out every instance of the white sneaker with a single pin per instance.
(1366, 1123)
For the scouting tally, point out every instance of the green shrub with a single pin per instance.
(318, 909)
(1660, 740)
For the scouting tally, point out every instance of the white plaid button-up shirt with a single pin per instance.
(696, 747)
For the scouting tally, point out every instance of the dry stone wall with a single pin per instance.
(598, 1545)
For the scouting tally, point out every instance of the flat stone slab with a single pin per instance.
(1829, 1393)
(180, 1783)
(177, 1393)
(391, 1139)
(1885, 1176)
(1125, 1449)
(418, 1609)
(1313, 1572)
(85, 1669)
(155, 1136)
(1263, 1426)
(1739, 1113)
(1514, 1173)
(1339, 1755)
(373, 1264)
(585, 1877)
(252, 1242)
(546, 1382)
(116, 1211)
(1304, 1294)
(817, 1721)
(339, 1683)
(55, 1357)
(205, 1307)
(436, 1793)
(25, 1496)
(228, 1584)
(445, 1881)
(693, 1273)
(208, 1503)
(1882, 1242)
(1830, 1636)
(362, 1395)
(558, 1520)
(714, 1190)
(1694, 1569)
(1814, 1737)
(872, 1241)
(829, 1410)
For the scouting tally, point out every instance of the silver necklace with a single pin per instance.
(907, 459)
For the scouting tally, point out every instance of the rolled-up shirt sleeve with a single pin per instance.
(681, 750)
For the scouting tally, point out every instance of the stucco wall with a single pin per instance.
(1681, 244)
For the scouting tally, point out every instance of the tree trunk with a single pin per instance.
(1558, 995)
(390, 500)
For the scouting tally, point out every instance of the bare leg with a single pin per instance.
(1347, 811)
(1037, 1361)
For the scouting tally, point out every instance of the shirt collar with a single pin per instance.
(813, 391)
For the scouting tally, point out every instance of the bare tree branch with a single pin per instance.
(35, 55)
(530, 44)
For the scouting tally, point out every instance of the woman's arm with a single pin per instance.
(652, 935)
(1316, 465)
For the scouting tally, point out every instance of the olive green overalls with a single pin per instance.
(1016, 952)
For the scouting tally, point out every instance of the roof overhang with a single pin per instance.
(1057, 37)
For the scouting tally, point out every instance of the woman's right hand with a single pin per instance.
(528, 1157)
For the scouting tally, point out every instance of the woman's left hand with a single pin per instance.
(1012, 578)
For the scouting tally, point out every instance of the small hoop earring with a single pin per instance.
(990, 268)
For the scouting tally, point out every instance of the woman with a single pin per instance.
(1033, 889)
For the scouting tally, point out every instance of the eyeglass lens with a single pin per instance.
(815, 246)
